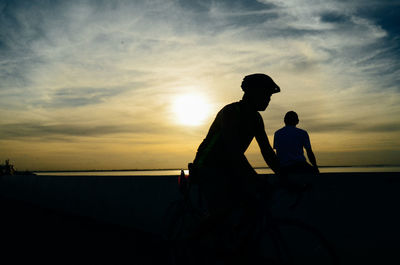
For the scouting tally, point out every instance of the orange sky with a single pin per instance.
(90, 86)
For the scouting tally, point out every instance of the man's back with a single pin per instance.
(289, 142)
(229, 136)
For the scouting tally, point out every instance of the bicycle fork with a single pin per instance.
(281, 250)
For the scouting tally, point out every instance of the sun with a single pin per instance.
(191, 109)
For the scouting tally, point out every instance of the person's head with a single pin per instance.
(291, 118)
(258, 89)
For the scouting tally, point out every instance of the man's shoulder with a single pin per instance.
(237, 107)
(230, 107)
(291, 130)
(228, 110)
(279, 131)
(302, 131)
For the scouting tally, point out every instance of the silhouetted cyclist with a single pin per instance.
(225, 176)
(289, 142)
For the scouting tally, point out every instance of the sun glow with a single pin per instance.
(191, 109)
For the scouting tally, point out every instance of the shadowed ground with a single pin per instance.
(118, 220)
(38, 235)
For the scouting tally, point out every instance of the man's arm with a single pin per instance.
(266, 150)
(311, 157)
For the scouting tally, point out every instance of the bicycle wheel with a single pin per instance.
(173, 223)
(180, 220)
(290, 241)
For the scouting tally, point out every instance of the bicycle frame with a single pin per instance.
(264, 223)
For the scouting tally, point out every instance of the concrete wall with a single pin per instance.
(357, 212)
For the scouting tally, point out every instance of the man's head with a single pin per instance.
(258, 89)
(291, 118)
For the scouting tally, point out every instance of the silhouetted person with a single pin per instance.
(289, 142)
(225, 175)
(226, 178)
(7, 169)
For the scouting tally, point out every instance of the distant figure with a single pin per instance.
(289, 142)
(7, 169)
(225, 175)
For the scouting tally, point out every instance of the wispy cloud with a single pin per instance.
(63, 131)
(64, 64)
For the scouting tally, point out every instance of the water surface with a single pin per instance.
(170, 172)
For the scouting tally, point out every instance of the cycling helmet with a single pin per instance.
(255, 82)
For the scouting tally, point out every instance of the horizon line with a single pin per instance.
(168, 169)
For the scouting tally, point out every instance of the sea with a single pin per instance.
(172, 172)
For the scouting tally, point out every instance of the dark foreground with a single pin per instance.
(119, 220)
(31, 234)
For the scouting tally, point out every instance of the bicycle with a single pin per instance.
(272, 240)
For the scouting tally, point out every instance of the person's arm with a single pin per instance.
(266, 150)
(311, 158)
(310, 153)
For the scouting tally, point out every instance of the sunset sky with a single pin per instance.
(110, 84)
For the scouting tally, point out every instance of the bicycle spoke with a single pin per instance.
(295, 242)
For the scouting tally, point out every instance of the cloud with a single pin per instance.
(329, 127)
(66, 132)
(354, 127)
(98, 68)
(78, 97)
(23, 130)
(382, 127)
(103, 41)
(334, 17)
